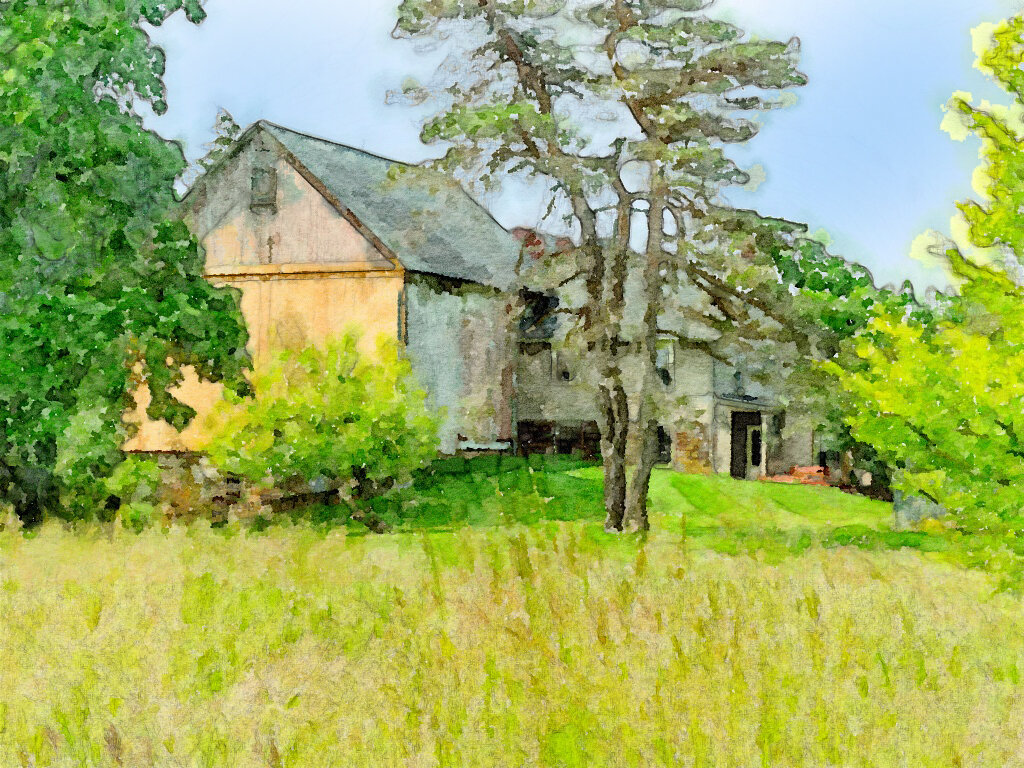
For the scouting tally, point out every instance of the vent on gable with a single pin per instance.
(264, 190)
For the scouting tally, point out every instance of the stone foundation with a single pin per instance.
(691, 452)
(191, 487)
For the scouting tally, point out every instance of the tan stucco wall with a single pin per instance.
(292, 311)
(161, 436)
(282, 312)
(305, 274)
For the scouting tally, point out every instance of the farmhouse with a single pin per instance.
(320, 237)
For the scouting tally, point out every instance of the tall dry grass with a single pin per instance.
(517, 647)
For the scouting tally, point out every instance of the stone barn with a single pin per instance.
(726, 424)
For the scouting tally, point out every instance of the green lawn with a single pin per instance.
(712, 513)
(501, 627)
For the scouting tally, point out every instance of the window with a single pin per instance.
(563, 367)
(538, 321)
(264, 190)
(664, 446)
(403, 318)
(756, 447)
(666, 362)
(778, 423)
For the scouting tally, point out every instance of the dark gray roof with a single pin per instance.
(425, 218)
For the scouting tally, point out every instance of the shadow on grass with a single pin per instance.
(485, 491)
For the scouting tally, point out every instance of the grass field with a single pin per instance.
(504, 628)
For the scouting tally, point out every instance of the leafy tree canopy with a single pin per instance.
(940, 394)
(99, 288)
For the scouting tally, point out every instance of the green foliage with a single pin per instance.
(834, 302)
(330, 418)
(489, 122)
(133, 483)
(944, 401)
(939, 394)
(996, 221)
(99, 290)
(488, 491)
(87, 449)
(226, 133)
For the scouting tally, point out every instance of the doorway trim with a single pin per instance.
(742, 424)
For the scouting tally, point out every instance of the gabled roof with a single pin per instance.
(423, 217)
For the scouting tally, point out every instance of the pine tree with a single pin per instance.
(226, 132)
(623, 110)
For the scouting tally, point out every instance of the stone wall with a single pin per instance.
(459, 343)
(691, 451)
(190, 487)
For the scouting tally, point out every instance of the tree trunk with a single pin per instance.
(614, 435)
(614, 491)
(636, 519)
(613, 400)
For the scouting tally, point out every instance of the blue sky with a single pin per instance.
(861, 155)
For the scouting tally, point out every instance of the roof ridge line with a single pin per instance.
(268, 124)
(420, 165)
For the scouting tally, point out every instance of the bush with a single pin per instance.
(327, 419)
(134, 483)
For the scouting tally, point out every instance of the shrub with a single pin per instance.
(134, 483)
(88, 454)
(327, 419)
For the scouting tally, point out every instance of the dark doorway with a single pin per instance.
(583, 439)
(664, 446)
(568, 438)
(740, 463)
(535, 437)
